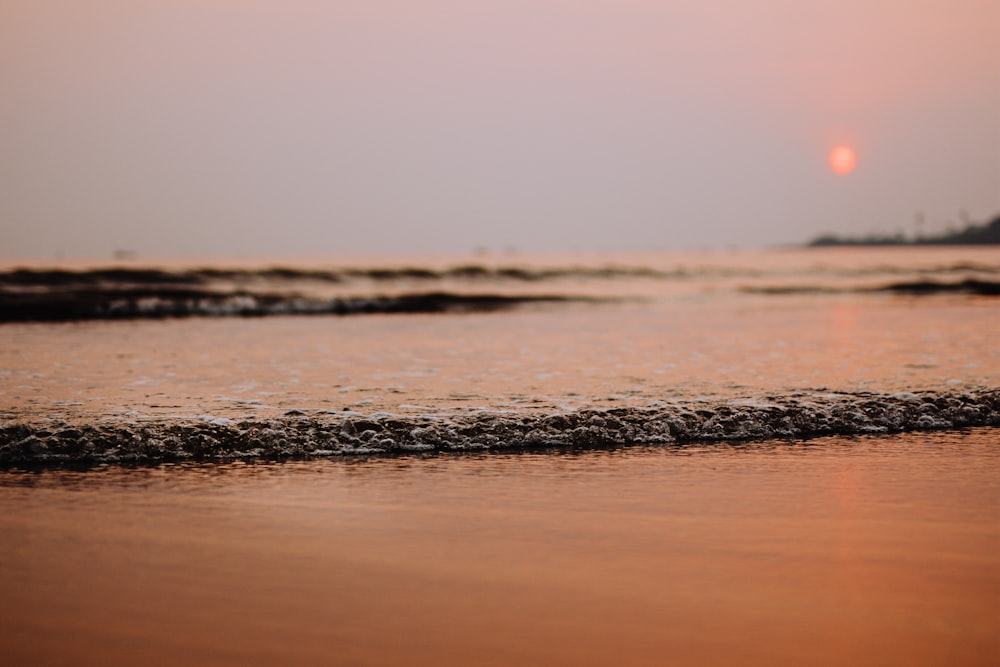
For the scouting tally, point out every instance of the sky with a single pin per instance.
(251, 128)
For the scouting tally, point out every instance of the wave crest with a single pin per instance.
(299, 434)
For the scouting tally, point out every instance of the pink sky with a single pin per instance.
(183, 127)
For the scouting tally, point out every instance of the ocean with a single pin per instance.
(784, 456)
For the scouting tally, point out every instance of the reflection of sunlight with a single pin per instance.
(848, 568)
(844, 324)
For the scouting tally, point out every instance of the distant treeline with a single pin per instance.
(981, 234)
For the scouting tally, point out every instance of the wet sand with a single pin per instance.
(867, 551)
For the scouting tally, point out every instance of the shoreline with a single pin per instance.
(325, 434)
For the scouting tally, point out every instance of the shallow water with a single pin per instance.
(689, 331)
(867, 551)
(827, 551)
(576, 356)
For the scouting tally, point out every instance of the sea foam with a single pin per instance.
(322, 433)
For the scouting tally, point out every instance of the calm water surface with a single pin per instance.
(696, 334)
(868, 551)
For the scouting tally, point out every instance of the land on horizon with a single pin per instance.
(971, 234)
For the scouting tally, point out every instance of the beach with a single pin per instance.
(770, 457)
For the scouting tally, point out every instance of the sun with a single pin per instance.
(843, 160)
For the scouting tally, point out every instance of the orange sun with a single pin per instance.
(842, 160)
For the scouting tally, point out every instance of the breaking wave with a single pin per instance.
(59, 295)
(300, 434)
(911, 288)
(77, 305)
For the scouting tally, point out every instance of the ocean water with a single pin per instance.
(171, 362)
(773, 457)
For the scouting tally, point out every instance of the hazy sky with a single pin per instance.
(264, 127)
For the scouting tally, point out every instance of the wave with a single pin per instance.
(201, 276)
(913, 288)
(132, 276)
(87, 304)
(133, 293)
(300, 434)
